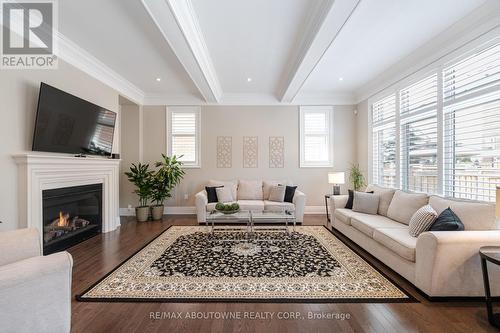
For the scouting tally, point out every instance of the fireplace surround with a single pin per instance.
(38, 172)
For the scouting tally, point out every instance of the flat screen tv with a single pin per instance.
(68, 124)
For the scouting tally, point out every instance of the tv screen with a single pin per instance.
(68, 124)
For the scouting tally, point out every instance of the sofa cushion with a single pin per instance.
(474, 215)
(232, 184)
(386, 194)
(367, 223)
(278, 206)
(404, 205)
(397, 240)
(365, 203)
(344, 215)
(267, 185)
(253, 205)
(250, 190)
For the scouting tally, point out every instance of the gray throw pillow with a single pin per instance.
(277, 193)
(365, 203)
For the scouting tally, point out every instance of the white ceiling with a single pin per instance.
(122, 35)
(380, 33)
(251, 39)
(203, 48)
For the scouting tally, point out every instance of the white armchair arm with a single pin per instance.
(18, 245)
(201, 201)
(299, 200)
(35, 294)
(448, 263)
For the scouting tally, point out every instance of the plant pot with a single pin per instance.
(142, 213)
(157, 212)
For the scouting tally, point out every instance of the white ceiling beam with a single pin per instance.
(177, 21)
(324, 26)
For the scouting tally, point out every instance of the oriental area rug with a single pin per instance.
(191, 264)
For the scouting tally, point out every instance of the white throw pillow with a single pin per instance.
(250, 190)
(365, 203)
(268, 184)
(231, 184)
(224, 194)
(277, 193)
(385, 195)
(422, 220)
(404, 205)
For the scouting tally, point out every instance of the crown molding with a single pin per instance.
(322, 28)
(178, 23)
(469, 32)
(83, 60)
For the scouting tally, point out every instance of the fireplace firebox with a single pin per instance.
(70, 216)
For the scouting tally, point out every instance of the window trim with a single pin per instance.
(330, 113)
(185, 109)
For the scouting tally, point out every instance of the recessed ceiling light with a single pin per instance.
(341, 79)
(249, 79)
(158, 79)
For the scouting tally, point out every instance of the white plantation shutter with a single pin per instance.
(384, 141)
(419, 136)
(472, 126)
(316, 136)
(184, 124)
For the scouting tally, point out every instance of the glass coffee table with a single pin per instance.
(250, 219)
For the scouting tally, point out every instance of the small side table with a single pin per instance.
(491, 254)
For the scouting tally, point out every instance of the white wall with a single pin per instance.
(18, 97)
(261, 121)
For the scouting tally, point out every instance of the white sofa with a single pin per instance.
(439, 263)
(251, 195)
(35, 290)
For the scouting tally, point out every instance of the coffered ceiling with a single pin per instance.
(250, 51)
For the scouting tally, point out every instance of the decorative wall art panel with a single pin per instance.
(250, 152)
(276, 152)
(224, 152)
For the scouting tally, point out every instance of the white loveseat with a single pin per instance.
(35, 290)
(251, 195)
(439, 263)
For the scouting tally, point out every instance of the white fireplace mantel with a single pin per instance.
(38, 172)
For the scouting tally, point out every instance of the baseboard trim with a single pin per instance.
(191, 210)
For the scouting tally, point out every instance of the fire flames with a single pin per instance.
(63, 220)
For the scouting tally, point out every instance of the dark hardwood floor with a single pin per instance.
(99, 255)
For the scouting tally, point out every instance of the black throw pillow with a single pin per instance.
(350, 200)
(289, 193)
(212, 193)
(447, 221)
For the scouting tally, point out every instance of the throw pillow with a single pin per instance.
(224, 194)
(350, 199)
(211, 193)
(447, 221)
(289, 193)
(277, 193)
(422, 220)
(365, 203)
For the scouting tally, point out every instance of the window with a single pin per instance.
(448, 137)
(418, 136)
(316, 136)
(472, 126)
(384, 142)
(183, 124)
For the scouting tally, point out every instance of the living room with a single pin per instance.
(279, 165)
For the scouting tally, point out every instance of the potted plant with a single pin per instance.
(356, 177)
(141, 177)
(166, 178)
